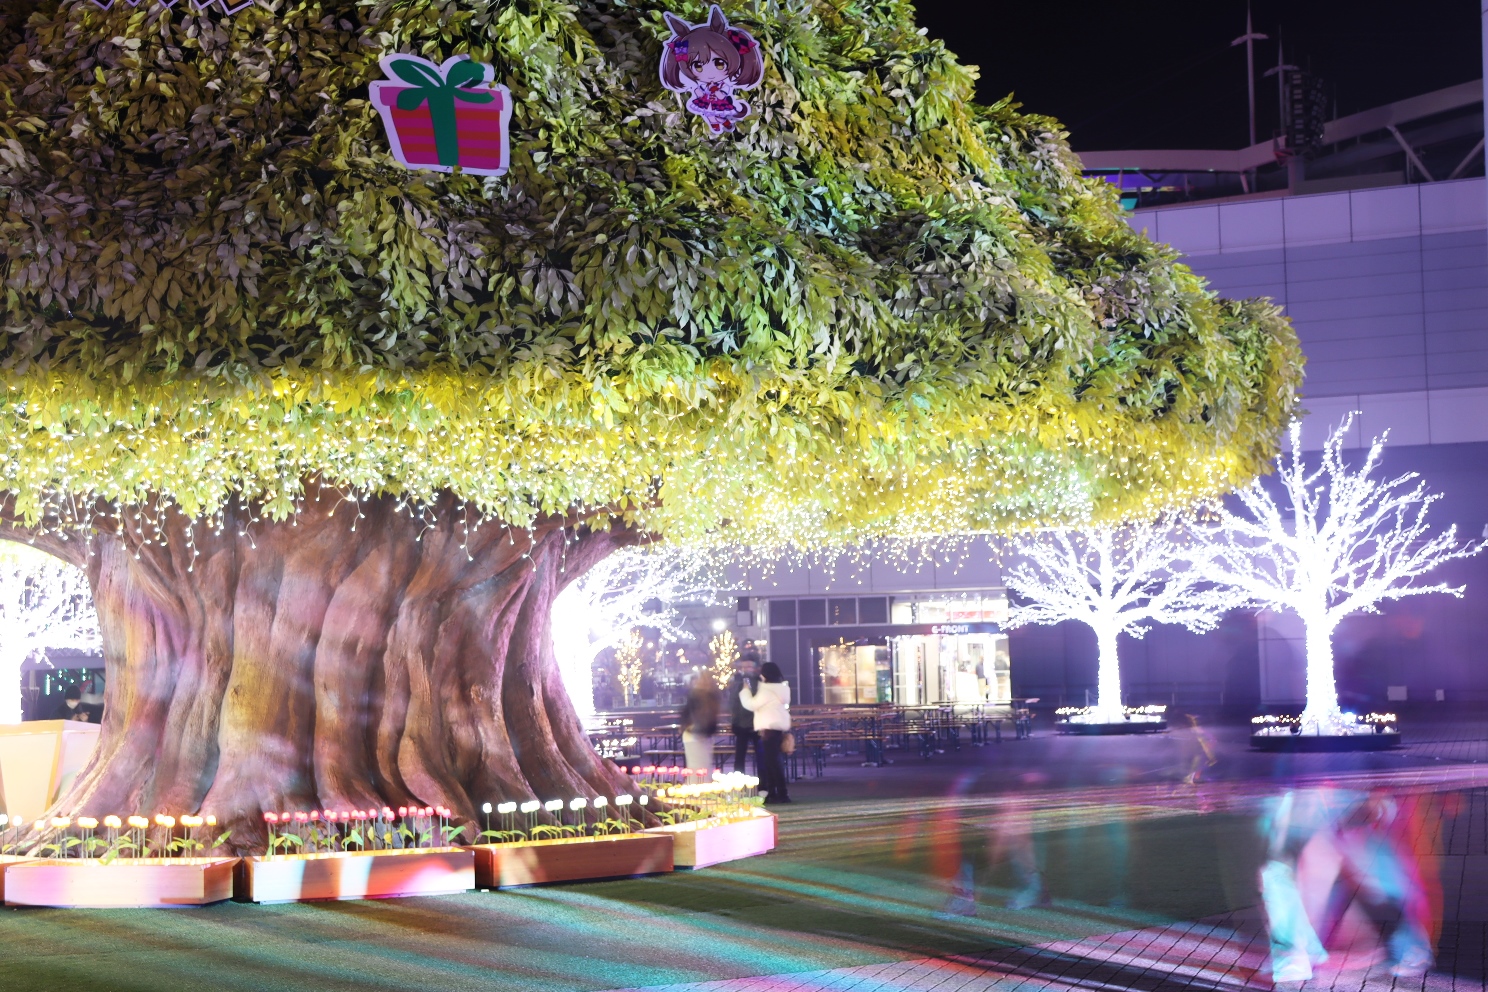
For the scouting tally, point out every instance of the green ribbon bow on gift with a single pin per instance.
(441, 91)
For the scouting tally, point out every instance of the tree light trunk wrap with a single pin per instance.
(1322, 690)
(1108, 675)
(309, 665)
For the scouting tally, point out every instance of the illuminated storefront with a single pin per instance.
(910, 650)
(914, 669)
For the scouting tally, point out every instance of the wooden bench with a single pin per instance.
(869, 740)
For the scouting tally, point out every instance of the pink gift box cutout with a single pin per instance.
(437, 123)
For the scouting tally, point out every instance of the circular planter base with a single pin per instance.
(1324, 743)
(1104, 729)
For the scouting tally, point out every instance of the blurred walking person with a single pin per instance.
(1197, 749)
(1013, 841)
(770, 704)
(699, 721)
(1377, 867)
(1295, 820)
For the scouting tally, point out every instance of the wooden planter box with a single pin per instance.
(6, 860)
(710, 842)
(127, 883)
(571, 859)
(355, 875)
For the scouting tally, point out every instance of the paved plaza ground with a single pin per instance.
(1151, 883)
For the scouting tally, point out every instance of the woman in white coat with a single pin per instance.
(770, 704)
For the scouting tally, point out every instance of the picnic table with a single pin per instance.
(823, 728)
(868, 730)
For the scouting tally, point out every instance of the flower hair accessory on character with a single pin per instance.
(711, 62)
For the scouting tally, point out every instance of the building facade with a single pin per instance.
(912, 648)
(1388, 290)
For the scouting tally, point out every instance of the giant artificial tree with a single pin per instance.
(330, 435)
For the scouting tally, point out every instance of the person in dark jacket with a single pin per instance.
(770, 703)
(746, 674)
(72, 707)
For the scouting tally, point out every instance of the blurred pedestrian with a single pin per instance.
(1013, 841)
(770, 704)
(699, 721)
(741, 719)
(1298, 826)
(93, 690)
(1196, 749)
(1376, 866)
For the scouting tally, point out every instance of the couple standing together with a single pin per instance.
(759, 699)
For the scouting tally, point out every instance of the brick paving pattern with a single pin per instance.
(1228, 952)
(1218, 953)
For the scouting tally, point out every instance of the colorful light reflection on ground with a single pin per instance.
(1151, 885)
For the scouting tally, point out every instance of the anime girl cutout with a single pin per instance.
(712, 61)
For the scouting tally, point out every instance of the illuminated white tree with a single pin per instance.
(44, 603)
(1115, 581)
(636, 587)
(724, 650)
(1343, 543)
(631, 663)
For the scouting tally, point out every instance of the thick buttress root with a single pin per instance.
(353, 657)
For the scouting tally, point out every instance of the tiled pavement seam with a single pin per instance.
(1222, 954)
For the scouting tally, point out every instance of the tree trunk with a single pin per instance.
(1322, 707)
(356, 656)
(1108, 676)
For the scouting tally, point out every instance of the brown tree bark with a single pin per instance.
(354, 657)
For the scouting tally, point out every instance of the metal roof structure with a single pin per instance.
(1434, 136)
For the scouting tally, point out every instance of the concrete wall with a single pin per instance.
(1388, 290)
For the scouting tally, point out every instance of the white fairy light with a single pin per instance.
(1115, 582)
(635, 587)
(44, 603)
(1344, 543)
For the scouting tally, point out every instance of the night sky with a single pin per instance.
(1152, 74)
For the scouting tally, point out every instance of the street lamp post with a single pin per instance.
(1248, 39)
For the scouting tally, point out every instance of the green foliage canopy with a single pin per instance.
(878, 309)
